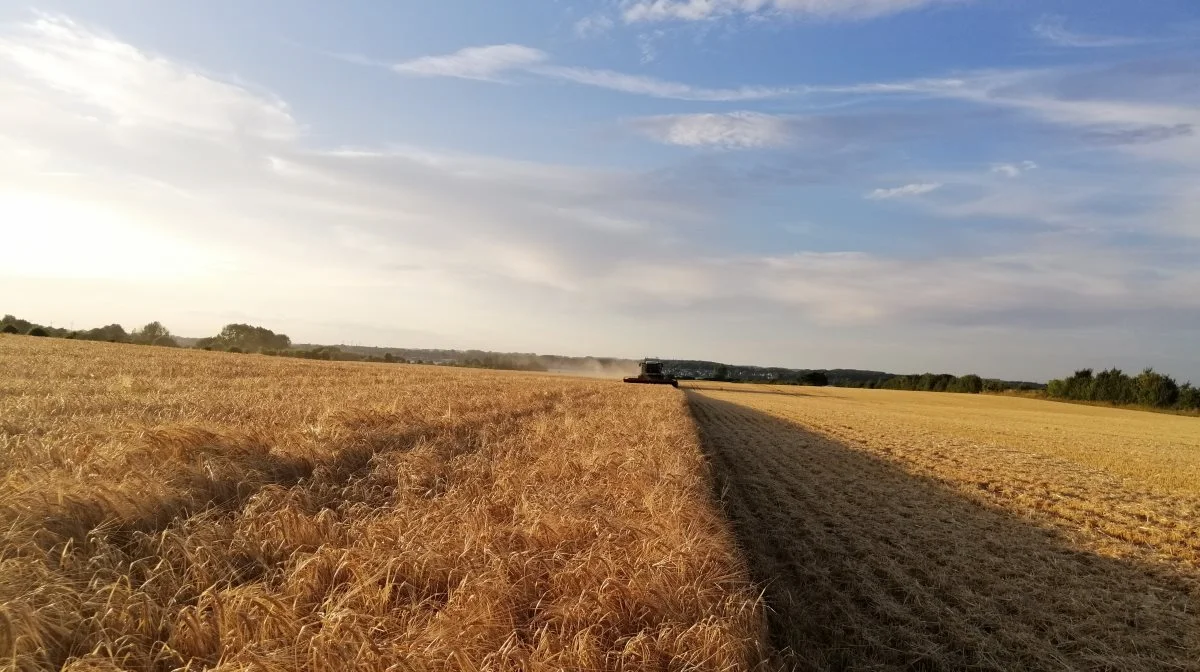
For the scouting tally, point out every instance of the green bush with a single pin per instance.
(1155, 389)
(38, 331)
(1148, 388)
(1189, 398)
(970, 384)
(9, 329)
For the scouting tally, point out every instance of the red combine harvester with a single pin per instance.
(652, 374)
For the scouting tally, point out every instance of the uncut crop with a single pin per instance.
(906, 530)
(164, 509)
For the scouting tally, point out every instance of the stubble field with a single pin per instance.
(901, 530)
(164, 510)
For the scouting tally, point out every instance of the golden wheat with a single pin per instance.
(938, 531)
(167, 510)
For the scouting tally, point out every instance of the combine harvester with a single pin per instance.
(652, 374)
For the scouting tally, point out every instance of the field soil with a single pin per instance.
(900, 530)
(164, 509)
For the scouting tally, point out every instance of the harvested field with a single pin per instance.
(165, 509)
(900, 530)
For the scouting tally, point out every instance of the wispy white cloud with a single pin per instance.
(1103, 107)
(1053, 29)
(489, 62)
(593, 25)
(1140, 135)
(648, 45)
(133, 87)
(636, 11)
(916, 189)
(483, 63)
(1013, 169)
(735, 130)
(656, 88)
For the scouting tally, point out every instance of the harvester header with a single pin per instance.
(651, 373)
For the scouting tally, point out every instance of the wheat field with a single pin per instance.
(184, 510)
(908, 530)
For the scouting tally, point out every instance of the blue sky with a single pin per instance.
(1010, 188)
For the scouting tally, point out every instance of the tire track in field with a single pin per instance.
(866, 566)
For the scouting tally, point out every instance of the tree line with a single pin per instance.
(926, 382)
(153, 333)
(247, 338)
(1148, 388)
(946, 382)
(723, 373)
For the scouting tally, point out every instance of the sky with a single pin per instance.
(1006, 187)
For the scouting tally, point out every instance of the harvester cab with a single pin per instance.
(651, 373)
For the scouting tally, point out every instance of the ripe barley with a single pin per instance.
(166, 509)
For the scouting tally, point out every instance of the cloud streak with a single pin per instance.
(480, 63)
(645, 11)
(489, 62)
(1013, 169)
(735, 130)
(1053, 30)
(908, 190)
(592, 25)
(656, 88)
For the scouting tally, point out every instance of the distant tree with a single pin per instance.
(38, 331)
(10, 329)
(166, 341)
(1148, 388)
(150, 333)
(22, 326)
(1189, 398)
(945, 383)
(1080, 385)
(721, 372)
(246, 338)
(970, 384)
(113, 333)
(1113, 386)
(1155, 389)
(926, 382)
(814, 378)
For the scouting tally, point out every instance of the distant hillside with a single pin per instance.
(609, 367)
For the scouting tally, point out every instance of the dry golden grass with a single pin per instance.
(938, 531)
(165, 510)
